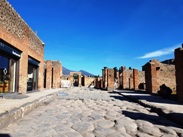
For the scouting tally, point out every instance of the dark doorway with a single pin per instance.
(8, 74)
(76, 80)
(32, 82)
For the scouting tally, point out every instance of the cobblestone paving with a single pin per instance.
(81, 112)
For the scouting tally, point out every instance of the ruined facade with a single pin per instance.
(131, 78)
(179, 73)
(126, 75)
(48, 74)
(76, 78)
(87, 81)
(98, 82)
(52, 74)
(104, 78)
(157, 73)
(109, 78)
(21, 53)
(57, 73)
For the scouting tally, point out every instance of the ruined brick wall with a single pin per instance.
(49, 65)
(65, 77)
(131, 83)
(57, 70)
(72, 79)
(124, 77)
(179, 73)
(141, 75)
(98, 83)
(116, 73)
(110, 79)
(17, 33)
(88, 81)
(105, 78)
(127, 74)
(101, 83)
(120, 77)
(157, 73)
(166, 76)
(135, 79)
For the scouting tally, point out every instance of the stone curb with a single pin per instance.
(11, 116)
(170, 116)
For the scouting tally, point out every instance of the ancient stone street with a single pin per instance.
(84, 112)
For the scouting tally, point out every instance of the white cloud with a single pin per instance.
(161, 52)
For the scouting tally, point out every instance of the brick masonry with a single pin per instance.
(72, 78)
(110, 79)
(57, 73)
(17, 33)
(98, 82)
(179, 72)
(130, 79)
(135, 79)
(88, 81)
(105, 78)
(53, 70)
(48, 70)
(125, 75)
(156, 74)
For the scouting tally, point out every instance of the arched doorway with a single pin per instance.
(75, 78)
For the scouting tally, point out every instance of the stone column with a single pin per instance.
(124, 80)
(135, 79)
(101, 83)
(110, 79)
(131, 86)
(179, 72)
(48, 74)
(105, 77)
(23, 73)
(151, 76)
(56, 74)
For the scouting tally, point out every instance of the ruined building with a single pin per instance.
(157, 74)
(179, 73)
(131, 78)
(21, 53)
(110, 77)
(52, 74)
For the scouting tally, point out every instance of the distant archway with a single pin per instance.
(75, 78)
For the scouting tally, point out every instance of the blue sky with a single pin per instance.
(91, 34)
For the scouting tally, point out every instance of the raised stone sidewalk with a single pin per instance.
(170, 109)
(14, 106)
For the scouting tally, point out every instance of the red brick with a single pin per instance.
(179, 73)
(24, 39)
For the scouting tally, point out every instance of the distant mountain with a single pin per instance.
(86, 73)
(66, 71)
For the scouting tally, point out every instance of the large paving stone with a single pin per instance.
(96, 116)
(101, 132)
(104, 123)
(150, 130)
(83, 127)
(129, 124)
(141, 134)
(166, 130)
